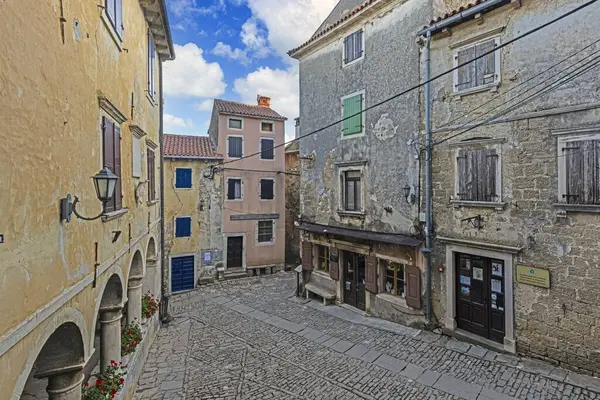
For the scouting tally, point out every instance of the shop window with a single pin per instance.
(323, 258)
(394, 278)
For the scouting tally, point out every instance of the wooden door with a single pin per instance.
(361, 278)
(182, 273)
(472, 294)
(235, 251)
(350, 274)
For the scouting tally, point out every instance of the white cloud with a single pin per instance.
(290, 23)
(281, 85)
(186, 7)
(205, 105)
(255, 39)
(189, 75)
(225, 50)
(172, 122)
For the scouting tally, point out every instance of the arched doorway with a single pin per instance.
(57, 370)
(150, 282)
(134, 288)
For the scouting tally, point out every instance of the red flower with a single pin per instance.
(120, 363)
(101, 388)
(98, 382)
(113, 392)
(86, 384)
(121, 380)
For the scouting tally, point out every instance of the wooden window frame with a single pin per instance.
(563, 174)
(229, 119)
(112, 144)
(384, 272)
(498, 178)
(260, 242)
(260, 196)
(151, 165)
(260, 149)
(363, 115)
(345, 62)
(267, 122)
(497, 67)
(228, 148)
(114, 19)
(175, 227)
(357, 196)
(191, 178)
(234, 178)
(325, 258)
(151, 90)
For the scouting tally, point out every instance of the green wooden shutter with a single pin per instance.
(353, 105)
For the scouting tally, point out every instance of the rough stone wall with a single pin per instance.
(388, 67)
(561, 324)
(203, 202)
(292, 208)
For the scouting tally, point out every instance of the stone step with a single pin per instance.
(234, 274)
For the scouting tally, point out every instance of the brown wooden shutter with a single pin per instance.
(109, 154)
(463, 177)
(151, 178)
(491, 165)
(413, 286)
(334, 266)
(118, 188)
(371, 284)
(307, 256)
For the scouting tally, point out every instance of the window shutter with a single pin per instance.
(231, 189)
(491, 170)
(307, 256)
(462, 171)
(582, 173)
(413, 287)
(346, 49)
(151, 179)
(188, 226)
(371, 284)
(118, 187)
(352, 106)
(334, 266)
(359, 43)
(485, 66)
(109, 155)
(591, 172)
(178, 226)
(466, 74)
(119, 18)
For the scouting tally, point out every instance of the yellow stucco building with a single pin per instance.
(193, 211)
(81, 90)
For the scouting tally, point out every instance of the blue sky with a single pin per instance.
(235, 49)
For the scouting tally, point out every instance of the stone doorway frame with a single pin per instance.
(500, 252)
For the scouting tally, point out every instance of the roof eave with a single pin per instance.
(280, 118)
(155, 13)
(193, 157)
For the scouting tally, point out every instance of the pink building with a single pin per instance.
(253, 184)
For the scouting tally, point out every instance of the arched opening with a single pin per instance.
(110, 307)
(58, 366)
(134, 289)
(151, 282)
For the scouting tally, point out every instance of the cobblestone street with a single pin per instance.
(252, 339)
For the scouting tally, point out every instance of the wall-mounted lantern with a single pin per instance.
(104, 182)
(410, 197)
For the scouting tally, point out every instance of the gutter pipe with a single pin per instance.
(164, 299)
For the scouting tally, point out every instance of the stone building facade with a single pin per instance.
(292, 203)
(360, 241)
(516, 200)
(193, 211)
(251, 138)
(81, 90)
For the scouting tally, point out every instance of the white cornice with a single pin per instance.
(137, 131)
(111, 109)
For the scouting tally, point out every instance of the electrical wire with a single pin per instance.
(526, 81)
(260, 170)
(541, 92)
(537, 94)
(526, 34)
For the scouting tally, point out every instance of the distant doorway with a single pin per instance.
(354, 279)
(235, 251)
(480, 292)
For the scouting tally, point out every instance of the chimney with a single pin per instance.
(263, 101)
(297, 120)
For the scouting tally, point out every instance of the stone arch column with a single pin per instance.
(111, 307)
(134, 289)
(61, 361)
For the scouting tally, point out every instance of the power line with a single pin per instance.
(533, 87)
(530, 98)
(260, 170)
(526, 34)
(526, 81)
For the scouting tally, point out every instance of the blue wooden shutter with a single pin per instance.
(183, 227)
(353, 123)
(183, 178)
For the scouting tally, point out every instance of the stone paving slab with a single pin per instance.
(429, 378)
(457, 387)
(370, 356)
(342, 346)
(412, 371)
(487, 394)
(357, 351)
(390, 363)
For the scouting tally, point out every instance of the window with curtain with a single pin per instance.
(234, 189)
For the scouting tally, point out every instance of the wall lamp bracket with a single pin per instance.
(104, 182)
(68, 207)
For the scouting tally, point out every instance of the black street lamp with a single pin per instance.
(104, 182)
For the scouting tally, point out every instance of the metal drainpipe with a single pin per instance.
(164, 301)
(428, 211)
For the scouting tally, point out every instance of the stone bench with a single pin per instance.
(327, 295)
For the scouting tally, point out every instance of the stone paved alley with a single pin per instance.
(252, 339)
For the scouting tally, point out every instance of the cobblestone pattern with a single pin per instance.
(249, 339)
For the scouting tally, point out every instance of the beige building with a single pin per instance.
(516, 200)
(193, 211)
(80, 91)
(251, 138)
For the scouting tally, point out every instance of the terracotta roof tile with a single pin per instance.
(459, 10)
(235, 108)
(346, 17)
(188, 146)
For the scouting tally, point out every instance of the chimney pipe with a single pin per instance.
(263, 101)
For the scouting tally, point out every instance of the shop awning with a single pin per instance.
(391, 238)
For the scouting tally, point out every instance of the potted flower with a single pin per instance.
(107, 385)
(131, 336)
(150, 305)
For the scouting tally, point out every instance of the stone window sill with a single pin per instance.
(322, 274)
(584, 208)
(499, 206)
(490, 87)
(152, 202)
(398, 302)
(356, 214)
(111, 30)
(114, 215)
